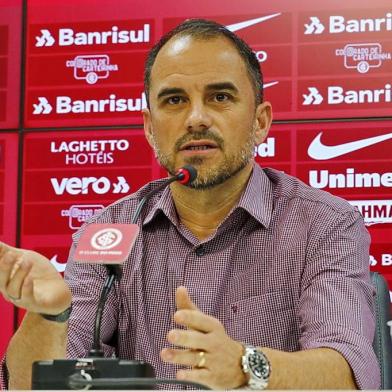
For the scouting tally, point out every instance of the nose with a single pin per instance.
(198, 118)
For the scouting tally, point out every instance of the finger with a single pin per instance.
(28, 288)
(185, 357)
(197, 320)
(7, 261)
(4, 248)
(183, 300)
(189, 339)
(17, 277)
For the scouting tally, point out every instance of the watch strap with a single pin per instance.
(58, 318)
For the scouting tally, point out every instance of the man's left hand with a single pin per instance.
(213, 357)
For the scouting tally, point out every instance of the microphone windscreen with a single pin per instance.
(186, 175)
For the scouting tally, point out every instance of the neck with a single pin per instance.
(202, 211)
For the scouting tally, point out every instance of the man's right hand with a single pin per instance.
(28, 280)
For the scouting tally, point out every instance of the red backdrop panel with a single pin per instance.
(8, 192)
(84, 72)
(10, 56)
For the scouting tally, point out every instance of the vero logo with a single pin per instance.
(314, 27)
(42, 107)
(313, 98)
(46, 39)
(86, 185)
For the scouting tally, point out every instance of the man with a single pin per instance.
(245, 278)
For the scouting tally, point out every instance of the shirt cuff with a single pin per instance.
(359, 354)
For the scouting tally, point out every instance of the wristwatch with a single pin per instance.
(257, 366)
(58, 318)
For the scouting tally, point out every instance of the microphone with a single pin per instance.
(120, 374)
(185, 175)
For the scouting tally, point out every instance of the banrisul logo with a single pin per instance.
(42, 107)
(65, 104)
(45, 39)
(338, 24)
(314, 26)
(75, 37)
(340, 95)
(313, 97)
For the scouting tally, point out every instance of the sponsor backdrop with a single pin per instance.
(71, 94)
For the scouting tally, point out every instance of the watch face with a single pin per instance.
(258, 365)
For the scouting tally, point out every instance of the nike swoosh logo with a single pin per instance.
(60, 267)
(318, 150)
(242, 25)
(270, 84)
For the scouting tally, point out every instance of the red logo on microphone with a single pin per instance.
(106, 243)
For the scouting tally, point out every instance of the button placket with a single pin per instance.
(200, 251)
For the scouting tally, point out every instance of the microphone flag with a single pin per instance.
(106, 243)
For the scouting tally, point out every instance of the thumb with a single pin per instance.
(183, 300)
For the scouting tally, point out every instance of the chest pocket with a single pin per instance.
(267, 320)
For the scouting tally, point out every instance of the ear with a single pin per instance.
(148, 126)
(263, 120)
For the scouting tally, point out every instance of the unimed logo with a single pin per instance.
(65, 105)
(69, 37)
(349, 179)
(86, 185)
(339, 24)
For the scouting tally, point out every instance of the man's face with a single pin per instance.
(202, 109)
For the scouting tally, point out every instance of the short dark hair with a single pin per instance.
(207, 29)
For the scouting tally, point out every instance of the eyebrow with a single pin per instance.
(222, 86)
(213, 86)
(170, 91)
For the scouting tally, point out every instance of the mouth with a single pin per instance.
(199, 145)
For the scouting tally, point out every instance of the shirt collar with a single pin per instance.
(257, 200)
(163, 203)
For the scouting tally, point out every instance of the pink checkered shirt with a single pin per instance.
(287, 269)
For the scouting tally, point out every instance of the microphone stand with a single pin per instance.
(86, 373)
(95, 370)
(114, 272)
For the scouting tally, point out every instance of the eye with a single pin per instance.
(174, 100)
(221, 97)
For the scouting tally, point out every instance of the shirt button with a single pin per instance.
(200, 251)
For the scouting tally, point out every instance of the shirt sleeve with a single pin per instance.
(86, 282)
(337, 297)
(3, 375)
